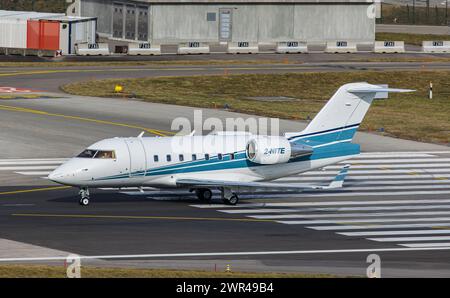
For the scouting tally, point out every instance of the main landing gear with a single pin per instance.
(84, 196)
(228, 197)
(204, 194)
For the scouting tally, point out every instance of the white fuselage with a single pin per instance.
(160, 161)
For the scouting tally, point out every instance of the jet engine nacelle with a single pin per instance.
(268, 150)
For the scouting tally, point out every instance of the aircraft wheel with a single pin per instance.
(84, 201)
(204, 195)
(233, 200)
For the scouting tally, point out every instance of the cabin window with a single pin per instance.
(101, 154)
(88, 153)
(220, 156)
(194, 157)
(169, 158)
(181, 157)
(206, 156)
(232, 156)
(156, 158)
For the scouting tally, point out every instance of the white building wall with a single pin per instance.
(13, 33)
(267, 22)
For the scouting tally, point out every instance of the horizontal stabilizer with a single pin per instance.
(338, 181)
(377, 89)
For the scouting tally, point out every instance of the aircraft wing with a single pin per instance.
(337, 182)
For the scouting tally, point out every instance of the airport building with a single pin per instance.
(28, 30)
(215, 21)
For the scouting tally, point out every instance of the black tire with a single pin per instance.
(84, 201)
(233, 200)
(204, 195)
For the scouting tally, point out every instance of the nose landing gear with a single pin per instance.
(84, 196)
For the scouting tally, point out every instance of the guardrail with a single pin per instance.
(389, 47)
(288, 47)
(341, 46)
(30, 52)
(144, 49)
(436, 46)
(92, 49)
(193, 47)
(243, 47)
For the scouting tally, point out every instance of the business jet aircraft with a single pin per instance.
(233, 160)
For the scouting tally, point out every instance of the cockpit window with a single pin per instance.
(101, 154)
(105, 154)
(88, 153)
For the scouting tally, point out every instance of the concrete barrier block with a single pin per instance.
(243, 47)
(137, 49)
(341, 46)
(193, 47)
(287, 47)
(436, 46)
(92, 49)
(389, 47)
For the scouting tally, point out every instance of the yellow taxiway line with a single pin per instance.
(39, 112)
(95, 216)
(34, 190)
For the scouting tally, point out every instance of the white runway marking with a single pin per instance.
(34, 173)
(382, 160)
(392, 155)
(346, 221)
(34, 162)
(345, 215)
(25, 168)
(395, 166)
(328, 177)
(230, 254)
(378, 226)
(348, 194)
(410, 239)
(326, 203)
(407, 152)
(398, 182)
(331, 209)
(33, 159)
(423, 245)
(384, 171)
(392, 233)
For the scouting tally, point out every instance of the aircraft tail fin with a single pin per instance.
(344, 111)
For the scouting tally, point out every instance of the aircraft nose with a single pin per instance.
(56, 176)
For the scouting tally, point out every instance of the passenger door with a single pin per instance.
(138, 159)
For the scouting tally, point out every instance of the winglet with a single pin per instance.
(338, 181)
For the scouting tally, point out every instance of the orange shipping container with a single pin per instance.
(43, 35)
